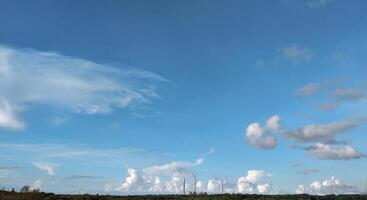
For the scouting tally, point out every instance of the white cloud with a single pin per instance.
(37, 185)
(243, 186)
(174, 168)
(254, 175)
(262, 137)
(200, 186)
(318, 3)
(308, 171)
(273, 123)
(5, 172)
(349, 94)
(58, 120)
(165, 178)
(211, 151)
(48, 167)
(214, 186)
(8, 117)
(325, 106)
(248, 183)
(321, 132)
(132, 181)
(315, 186)
(300, 189)
(297, 54)
(76, 84)
(326, 146)
(264, 188)
(139, 182)
(333, 152)
(332, 185)
(308, 90)
(169, 178)
(74, 153)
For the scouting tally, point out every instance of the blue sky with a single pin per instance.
(129, 97)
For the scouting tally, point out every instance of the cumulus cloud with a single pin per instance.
(76, 84)
(261, 137)
(200, 186)
(315, 186)
(214, 186)
(165, 178)
(333, 152)
(263, 188)
(320, 132)
(248, 183)
(254, 175)
(47, 167)
(273, 123)
(139, 182)
(133, 179)
(332, 185)
(349, 94)
(169, 179)
(300, 189)
(297, 54)
(37, 185)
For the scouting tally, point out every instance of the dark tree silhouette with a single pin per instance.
(25, 188)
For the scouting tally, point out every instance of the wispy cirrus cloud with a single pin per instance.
(47, 167)
(78, 85)
(81, 177)
(79, 154)
(6, 171)
(308, 171)
(312, 4)
(308, 90)
(297, 54)
(318, 3)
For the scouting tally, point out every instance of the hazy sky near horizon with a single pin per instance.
(129, 97)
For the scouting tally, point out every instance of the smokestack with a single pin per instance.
(184, 186)
(222, 186)
(194, 184)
